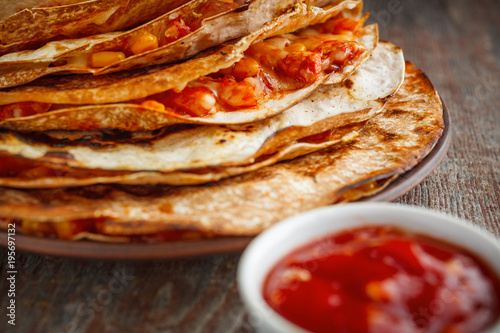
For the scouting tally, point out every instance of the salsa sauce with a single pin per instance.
(382, 279)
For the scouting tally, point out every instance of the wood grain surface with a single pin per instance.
(456, 42)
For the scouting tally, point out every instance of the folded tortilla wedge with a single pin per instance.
(176, 35)
(389, 144)
(199, 154)
(29, 24)
(257, 77)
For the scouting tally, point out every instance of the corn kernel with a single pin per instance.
(145, 42)
(246, 67)
(105, 58)
(296, 47)
(172, 33)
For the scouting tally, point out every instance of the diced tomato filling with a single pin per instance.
(237, 94)
(303, 66)
(22, 109)
(175, 30)
(194, 101)
(18, 167)
(282, 63)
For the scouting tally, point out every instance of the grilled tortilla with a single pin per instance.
(388, 145)
(227, 86)
(210, 152)
(174, 36)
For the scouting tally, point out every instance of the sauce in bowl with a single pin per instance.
(383, 279)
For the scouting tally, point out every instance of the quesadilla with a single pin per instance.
(173, 36)
(31, 23)
(389, 144)
(75, 158)
(257, 77)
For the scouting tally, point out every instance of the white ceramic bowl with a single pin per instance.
(272, 245)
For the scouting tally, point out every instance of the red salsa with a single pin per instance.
(382, 279)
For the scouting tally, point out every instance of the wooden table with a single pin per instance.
(456, 42)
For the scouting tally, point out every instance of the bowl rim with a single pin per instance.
(473, 238)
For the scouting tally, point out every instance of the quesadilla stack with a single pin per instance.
(213, 118)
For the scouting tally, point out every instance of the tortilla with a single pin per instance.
(210, 27)
(40, 22)
(228, 22)
(390, 144)
(226, 150)
(147, 85)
